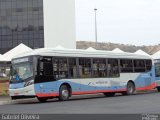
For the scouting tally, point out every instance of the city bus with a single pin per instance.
(157, 73)
(48, 73)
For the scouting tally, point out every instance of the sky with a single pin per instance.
(134, 22)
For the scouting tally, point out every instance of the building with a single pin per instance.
(37, 23)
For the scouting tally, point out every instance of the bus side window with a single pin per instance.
(72, 67)
(139, 65)
(148, 65)
(157, 69)
(99, 68)
(63, 68)
(95, 67)
(60, 68)
(126, 65)
(85, 67)
(113, 69)
(55, 68)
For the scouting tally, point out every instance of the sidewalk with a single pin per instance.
(4, 100)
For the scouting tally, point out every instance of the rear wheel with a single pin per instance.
(64, 93)
(158, 88)
(42, 100)
(109, 94)
(130, 89)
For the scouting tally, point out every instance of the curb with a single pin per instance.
(4, 102)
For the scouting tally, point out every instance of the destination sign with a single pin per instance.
(20, 60)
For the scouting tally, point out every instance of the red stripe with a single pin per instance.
(97, 91)
(150, 87)
(47, 94)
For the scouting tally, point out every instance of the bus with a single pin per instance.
(48, 73)
(157, 73)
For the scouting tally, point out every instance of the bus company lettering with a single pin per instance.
(102, 82)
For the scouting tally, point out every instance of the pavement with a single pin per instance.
(89, 104)
(5, 100)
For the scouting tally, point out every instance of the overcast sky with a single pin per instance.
(134, 22)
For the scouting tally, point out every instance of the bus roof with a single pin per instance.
(81, 53)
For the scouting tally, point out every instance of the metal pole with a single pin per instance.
(95, 9)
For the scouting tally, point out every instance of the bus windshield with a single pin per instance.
(20, 72)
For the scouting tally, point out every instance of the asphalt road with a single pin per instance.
(89, 104)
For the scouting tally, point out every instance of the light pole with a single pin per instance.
(95, 10)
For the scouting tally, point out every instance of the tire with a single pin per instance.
(109, 94)
(158, 89)
(42, 100)
(64, 93)
(130, 89)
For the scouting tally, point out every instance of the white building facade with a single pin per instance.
(59, 23)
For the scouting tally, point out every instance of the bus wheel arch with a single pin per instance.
(42, 100)
(109, 94)
(65, 91)
(130, 88)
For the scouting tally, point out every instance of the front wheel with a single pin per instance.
(64, 93)
(130, 89)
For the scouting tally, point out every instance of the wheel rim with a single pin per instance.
(130, 88)
(65, 94)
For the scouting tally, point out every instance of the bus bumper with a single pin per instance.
(22, 97)
(25, 92)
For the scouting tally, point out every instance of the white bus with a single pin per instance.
(48, 73)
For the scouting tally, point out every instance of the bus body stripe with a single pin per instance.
(97, 91)
(149, 87)
(47, 94)
(153, 85)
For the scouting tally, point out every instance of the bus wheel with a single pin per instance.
(130, 89)
(109, 94)
(158, 88)
(42, 100)
(64, 93)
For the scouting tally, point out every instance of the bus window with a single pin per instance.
(126, 65)
(44, 70)
(85, 67)
(99, 68)
(157, 69)
(60, 68)
(72, 68)
(148, 65)
(113, 69)
(139, 66)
